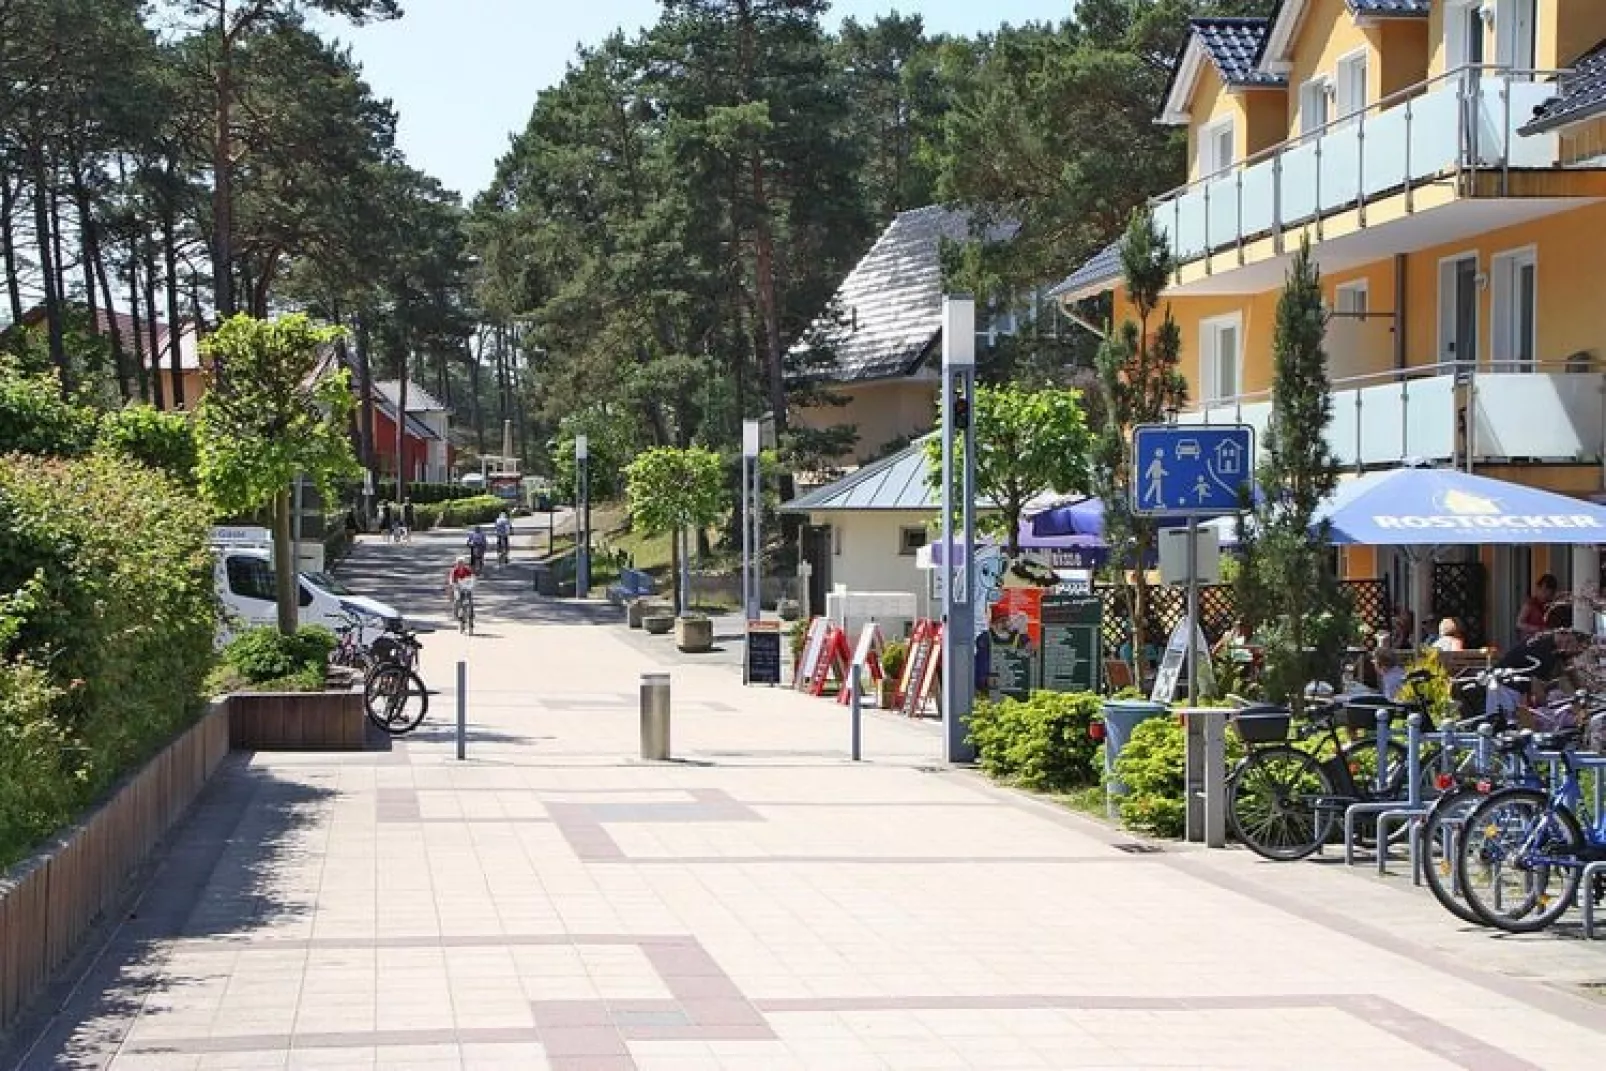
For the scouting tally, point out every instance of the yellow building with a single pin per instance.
(1447, 161)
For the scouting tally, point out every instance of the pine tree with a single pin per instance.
(1287, 583)
(1139, 382)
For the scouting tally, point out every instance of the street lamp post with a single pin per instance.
(752, 518)
(959, 577)
(582, 557)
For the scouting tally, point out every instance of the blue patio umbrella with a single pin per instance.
(1421, 507)
(1085, 517)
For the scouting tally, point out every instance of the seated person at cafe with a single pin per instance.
(1450, 638)
(1390, 672)
(1545, 658)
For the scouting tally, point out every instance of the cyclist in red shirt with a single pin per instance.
(460, 571)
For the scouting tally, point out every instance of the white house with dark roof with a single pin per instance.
(428, 422)
(879, 339)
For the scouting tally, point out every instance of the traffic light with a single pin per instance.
(961, 412)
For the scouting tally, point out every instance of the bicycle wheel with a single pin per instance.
(1361, 758)
(395, 699)
(1493, 869)
(1273, 804)
(1441, 836)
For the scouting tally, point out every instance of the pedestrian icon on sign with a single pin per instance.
(1154, 479)
(1202, 488)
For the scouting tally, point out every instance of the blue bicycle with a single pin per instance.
(1523, 850)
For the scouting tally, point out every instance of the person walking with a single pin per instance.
(408, 517)
(386, 522)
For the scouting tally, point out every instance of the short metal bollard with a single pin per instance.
(462, 710)
(856, 710)
(655, 716)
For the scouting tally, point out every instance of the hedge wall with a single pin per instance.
(107, 615)
(481, 509)
(424, 494)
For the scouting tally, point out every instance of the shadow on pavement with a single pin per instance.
(212, 877)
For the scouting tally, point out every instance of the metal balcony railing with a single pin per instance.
(1459, 123)
(1454, 414)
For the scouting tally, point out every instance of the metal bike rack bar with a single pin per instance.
(1414, 809)
(1354, 810)
(1586, 893)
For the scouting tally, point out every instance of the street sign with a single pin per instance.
(1196, 470)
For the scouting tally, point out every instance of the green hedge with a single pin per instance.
(107, 615)
(264, 660)
(1040, 743)
(425, 494)
(1151, 767)
(481, 509)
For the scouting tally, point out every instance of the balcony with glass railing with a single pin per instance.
(1451, 414)
(1459, 123)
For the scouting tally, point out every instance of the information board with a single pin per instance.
(1176, 657)
(763, 652)
(1071, 648)
(1015, 671)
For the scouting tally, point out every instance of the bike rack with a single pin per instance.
(1356, 809)
(1414, 808)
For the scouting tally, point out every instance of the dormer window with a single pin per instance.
(1313, 105)
(1215, 148)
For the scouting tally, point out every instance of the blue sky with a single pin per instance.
(463, 74)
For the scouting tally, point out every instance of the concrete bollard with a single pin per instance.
(655, 716)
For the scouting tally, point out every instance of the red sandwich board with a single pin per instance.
(813, 650)
(921, 670)
(825, 656)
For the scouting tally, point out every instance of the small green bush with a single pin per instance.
(260, 655)
(463, 512)
(1040, 743)
(426, 494)
(1151, 767)
(894, 656)
(35, 419)
(151, 437)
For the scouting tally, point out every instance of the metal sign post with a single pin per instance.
(750, 509)
(958, 589)
(582, 523)
(1191, 471)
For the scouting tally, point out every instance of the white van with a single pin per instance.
(248, 592)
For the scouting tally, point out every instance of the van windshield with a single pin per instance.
(327, 583)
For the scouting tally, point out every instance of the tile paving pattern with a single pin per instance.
(555, 903)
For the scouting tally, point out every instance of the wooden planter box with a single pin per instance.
(297, 721)
(49, 903)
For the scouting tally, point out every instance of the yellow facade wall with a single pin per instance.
(882, 412)
(1326, 33)
(1211, 103)
(1265, 118)
(1401, 57)
(1566, 30)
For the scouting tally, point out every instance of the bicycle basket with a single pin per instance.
(1360, 712)
(385, 649)
(466, 584)
(1262, 725)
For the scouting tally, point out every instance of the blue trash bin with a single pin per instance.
(1121, 716)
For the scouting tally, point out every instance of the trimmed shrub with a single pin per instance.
(462, 512)
(1040, 743)
(107, 596)
(1151, 767)
(145, 434)
(264, 654)
(426, 494)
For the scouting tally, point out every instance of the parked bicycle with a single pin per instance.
(1292, 787)
(349, 651)
(394, 695)
(1524, 848)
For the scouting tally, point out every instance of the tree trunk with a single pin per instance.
(175, 334)
(365, 388)
(47, 272)
(151, 327)
(401, 432)
(223, 174)
(675, 571)
(475, 355)
(125, 387)
(8, 247)
(57, 244)
(284, 565)
(140, 367)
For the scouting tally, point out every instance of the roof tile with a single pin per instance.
(889, 308)
(1234, 45)
(1580, 94)
(1104, 267)
(1392, 9)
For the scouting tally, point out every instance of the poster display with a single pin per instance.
(1070, 642)
(1014, 640)
(1175, 659)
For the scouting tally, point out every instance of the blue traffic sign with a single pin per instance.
(1191, 470)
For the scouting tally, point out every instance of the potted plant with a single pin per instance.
(788, 609)
(893, 658)
(694, 633)
(658, 624)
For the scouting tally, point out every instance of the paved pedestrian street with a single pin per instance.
(761, 902)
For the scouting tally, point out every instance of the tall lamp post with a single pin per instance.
(752, 518)
(582, 557)
(959, 564)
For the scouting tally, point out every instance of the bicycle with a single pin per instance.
(1284, 799)
(394, 695)
(463, 606)
(1519, 838)
(349, 651)
(501, 548)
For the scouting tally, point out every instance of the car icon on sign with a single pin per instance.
(1188, 448)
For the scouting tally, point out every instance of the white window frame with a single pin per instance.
(1457, 16)
(1353, 70)
(1506, 47)
(1503, 269)
(1211, 390)
(1446, 315)
(1346, 330)
(1210, 140)
(1319, 88)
